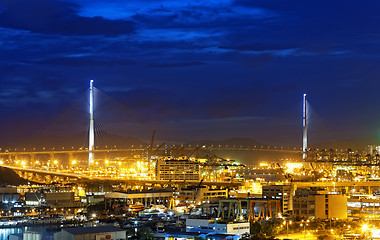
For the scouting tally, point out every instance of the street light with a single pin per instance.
(304, 227)
(365, 228)
(287, 226)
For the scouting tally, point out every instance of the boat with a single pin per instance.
(136, 208)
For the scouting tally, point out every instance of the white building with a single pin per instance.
(26, 236)
(91, 233)
(210, 226)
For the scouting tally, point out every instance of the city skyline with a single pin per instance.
(194, 70)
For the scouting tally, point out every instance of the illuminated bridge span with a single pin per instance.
(70, 153)
(146, 151)
(140, 150)
(176, 150)
(45, 176)
(67, 158)
(245, 148)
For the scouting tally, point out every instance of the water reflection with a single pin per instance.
(5, 232)
(46, 231)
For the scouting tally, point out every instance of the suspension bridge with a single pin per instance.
(46, 165)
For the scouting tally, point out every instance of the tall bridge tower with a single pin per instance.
(304, 124)
(91, 133)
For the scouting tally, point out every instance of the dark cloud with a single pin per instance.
(57, 17)
(87, 61)
(174, 64)
(259, 47)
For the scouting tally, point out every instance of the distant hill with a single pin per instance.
(237, 142)
(77, 141)
(9, 177)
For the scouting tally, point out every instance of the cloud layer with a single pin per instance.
(195, 62)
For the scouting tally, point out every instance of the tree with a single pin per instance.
(145, 234)
(325, 236)
(140, 233)
(268, 229)
(271, 229)
(256, 228)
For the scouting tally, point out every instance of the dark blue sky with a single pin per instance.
(195, 69)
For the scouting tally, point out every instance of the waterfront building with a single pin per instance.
(84, 233)
(34, 198)
(52, 199)
(9, 195)
(214, 227)
(25, 236)
(177, 169)
(59, 198)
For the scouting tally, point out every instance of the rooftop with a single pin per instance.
(149, 191)
(90, 230)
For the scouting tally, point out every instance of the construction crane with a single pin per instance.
(195, 150)
(288, 176)
(197, 190)
(159, 146)
(177, 152)
(167, 184)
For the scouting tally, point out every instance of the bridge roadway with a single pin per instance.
(10, 153)
(187, 148)
(71, 177)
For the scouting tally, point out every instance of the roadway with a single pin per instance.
(297, 236)
(189, 148)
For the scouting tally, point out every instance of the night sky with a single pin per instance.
(192, 69)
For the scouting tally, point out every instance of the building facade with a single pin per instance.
(211, 226)
(283, 192)
(202, 194)
(330, 206)
(363, 205)
(173, 169)
(313, 204)
(96, 233)
(9, 195)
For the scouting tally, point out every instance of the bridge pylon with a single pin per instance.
(91, 133)
(304, 124)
